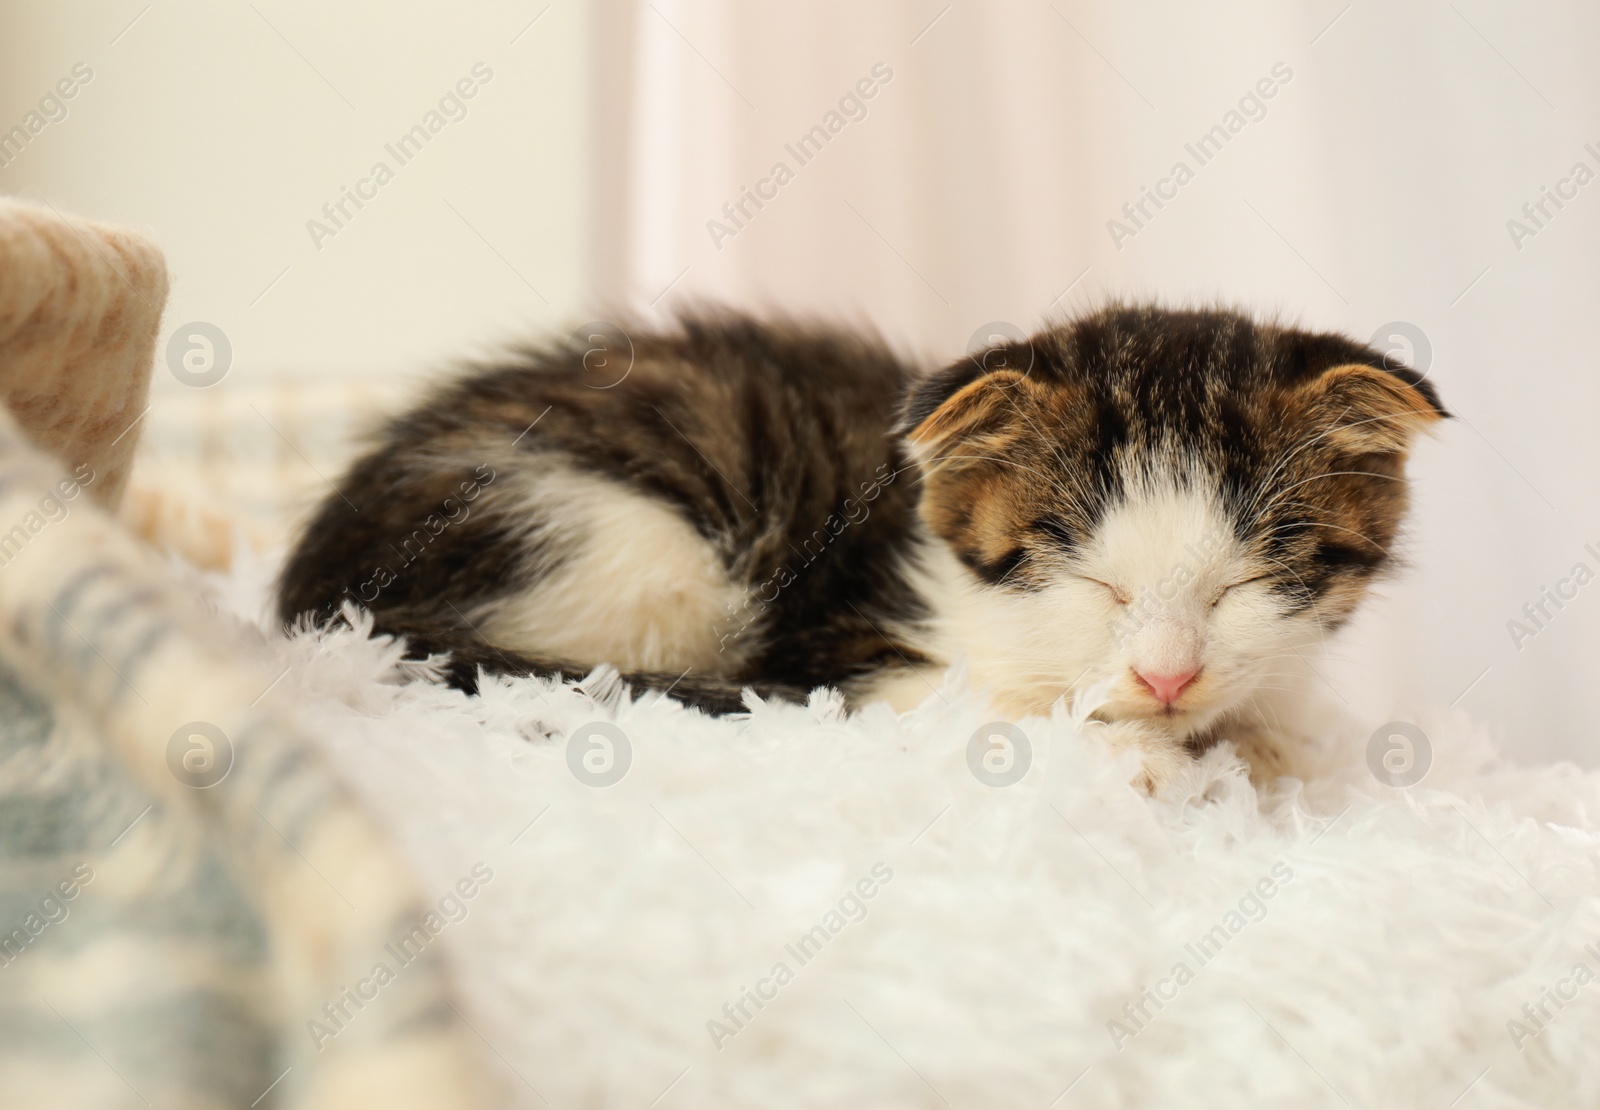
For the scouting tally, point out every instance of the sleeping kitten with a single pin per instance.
(1181, 504)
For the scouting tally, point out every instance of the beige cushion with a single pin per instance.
(80, 308)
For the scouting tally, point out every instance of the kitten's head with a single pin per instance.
(1175, 501)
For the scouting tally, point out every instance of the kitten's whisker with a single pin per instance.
(1266, 483)
(1363, 535)
(1329, 474)
(1256, 707)
(1027, 557)
(1325, 524)
(986, 458)
(1068, 493)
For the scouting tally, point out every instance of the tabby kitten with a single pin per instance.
(1176, 505)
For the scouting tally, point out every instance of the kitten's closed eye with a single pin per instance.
(1222, 593)
(1119, 595)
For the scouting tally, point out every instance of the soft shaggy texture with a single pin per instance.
(1369, 945)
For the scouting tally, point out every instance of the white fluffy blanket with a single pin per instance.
(804, 908)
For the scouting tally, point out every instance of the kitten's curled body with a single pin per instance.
(1177, 505)
(724, 503)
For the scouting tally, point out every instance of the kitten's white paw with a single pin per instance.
(1161, 758)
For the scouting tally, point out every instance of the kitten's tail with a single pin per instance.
(468, 655)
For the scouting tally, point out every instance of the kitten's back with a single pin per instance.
(723, 497)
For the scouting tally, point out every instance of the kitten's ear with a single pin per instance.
(1372, 409)
(962, 402)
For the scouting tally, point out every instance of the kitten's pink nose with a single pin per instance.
(1167, 688)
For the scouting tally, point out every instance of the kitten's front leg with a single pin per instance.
(1161, 757)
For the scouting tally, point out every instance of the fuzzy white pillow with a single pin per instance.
(805, 908)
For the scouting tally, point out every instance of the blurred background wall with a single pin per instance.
(1408, 173)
